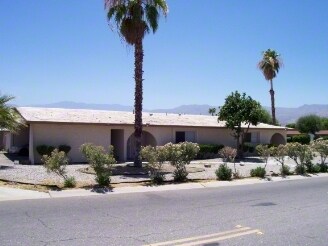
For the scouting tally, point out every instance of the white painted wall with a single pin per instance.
(75, 135)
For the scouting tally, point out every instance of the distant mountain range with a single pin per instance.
(284, 115)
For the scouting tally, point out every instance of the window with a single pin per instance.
(185, 136)
(252, 137)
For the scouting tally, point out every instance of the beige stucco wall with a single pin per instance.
(75, 135)
(69, 134)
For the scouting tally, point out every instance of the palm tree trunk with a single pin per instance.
(138, 55)
(273, 109)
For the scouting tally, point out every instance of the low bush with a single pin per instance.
(312, 168)
(180, 155)
(300, 169)
(208, 151)
(264, 152)
(316, 168)
(247, 147)
(70, 182)
(155, 156)
(285, 170)
(56, 163)
(100, 161)
(44, 149)
(65, 148)
(258, 172)
(180, 174)
(301, 138)
(323, 167)
(224, 173)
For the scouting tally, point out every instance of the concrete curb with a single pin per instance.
(7, 194)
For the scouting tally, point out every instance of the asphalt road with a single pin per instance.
(279, 213)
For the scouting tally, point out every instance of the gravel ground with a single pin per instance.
(36, 174)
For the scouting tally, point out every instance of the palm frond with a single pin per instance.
(9, 118)
(135, 18)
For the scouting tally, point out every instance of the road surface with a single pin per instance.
(277, 213)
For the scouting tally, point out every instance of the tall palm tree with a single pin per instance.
(270, 65)
(9, 119)
(133, 20)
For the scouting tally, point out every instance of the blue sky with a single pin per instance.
(58, 50)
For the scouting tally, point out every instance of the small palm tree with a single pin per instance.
(133, 20)
(270, 65)
(9, 119)
(212, 111)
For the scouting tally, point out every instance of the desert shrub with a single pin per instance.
(258, 172)
(65, 148)
(316, 168)
(229, 154)
(285, 170)
(207, 151)
(223, 173)
(180, 155)
(70, 182)
(155, 156)
(244, 147)
(264, 152)
(301, 138)
(56, 163)
(251, 149)
(300, 169)
(301, 154)
(44, 149)
(279, 153)
(100, 161)
(323, 167)
(320, 148)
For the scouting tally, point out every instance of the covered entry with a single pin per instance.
(277, 139)
(117, 141)
(146, 139)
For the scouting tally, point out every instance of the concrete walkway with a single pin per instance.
(7, 194)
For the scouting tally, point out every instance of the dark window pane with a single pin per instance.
(180, 137)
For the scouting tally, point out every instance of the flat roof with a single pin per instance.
(87, 116)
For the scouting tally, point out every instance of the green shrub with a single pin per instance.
(155, 156)
(56, 163)
(180, 174)
(301, 138)
(300, 169)
(258, 172)
(313, 168)
(264, 152)
(316, 168)
(180, 155)
(323, 167)
(100, 161)
(44, 149)
(320, 148)
(224, 173)
(65, 148)
(70, 182)
(285, 170)
(207, 151)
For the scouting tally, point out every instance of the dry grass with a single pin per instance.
(41, 188)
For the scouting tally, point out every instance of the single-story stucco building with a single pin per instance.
(74, 127)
